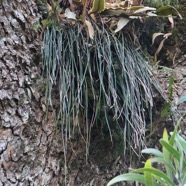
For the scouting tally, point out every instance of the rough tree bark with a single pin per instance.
(30, 148)
(25, 138)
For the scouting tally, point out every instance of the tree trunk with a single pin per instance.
(26, 138)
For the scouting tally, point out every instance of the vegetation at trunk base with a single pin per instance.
(100, 77)
(172, 158)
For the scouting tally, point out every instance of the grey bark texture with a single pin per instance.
(25, 137)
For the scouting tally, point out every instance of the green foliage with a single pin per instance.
(98, 6)
(159, 3)
(171, 108)
(142, 11)
(98, 79)
(172, 158)
(168, 10)
(104, 79)
(167, 108)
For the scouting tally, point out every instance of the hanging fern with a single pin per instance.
(97, 79)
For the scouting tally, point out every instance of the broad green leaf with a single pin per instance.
(166, 153)
(180, 162)
(98, 6)
(157, 173)
(147, 174)
(181, 141)
(164, 162)
(152, 151)
(168, 10)
(127, 177)
(121, 23)
(170, 149)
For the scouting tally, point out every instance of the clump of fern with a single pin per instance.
(97, 79)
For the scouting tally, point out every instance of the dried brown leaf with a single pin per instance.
(121, 23)
(90, 29)
(155, 35)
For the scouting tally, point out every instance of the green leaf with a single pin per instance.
(166, 153)
(44, 22)
(164, 162)
(170, 149)
(37, 26)
(168, 10)
(116, 12)
(98, 6)
(157, 173)
(181, 141)
(152, 151)
(179, 164)
(165, 135)
(180, 144)
(172, 138)
(147, 174)
(183, 180)
(127, 177)
(135, 7)
(166, 110)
